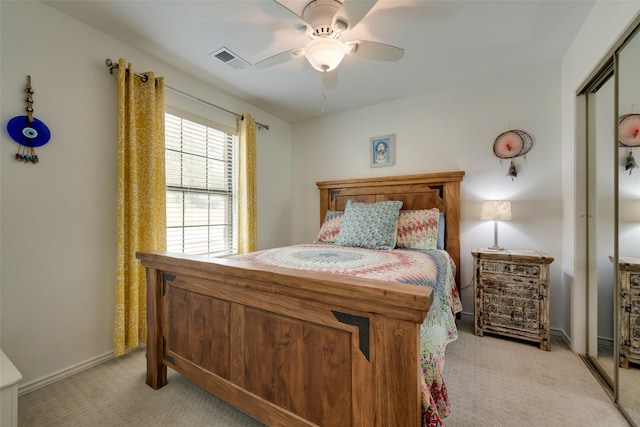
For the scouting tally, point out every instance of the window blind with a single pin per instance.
(201, 188)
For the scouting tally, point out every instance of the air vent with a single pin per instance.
(229, 58)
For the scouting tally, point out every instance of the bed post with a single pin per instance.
(156, 370)
(452, 229)
(324, 203)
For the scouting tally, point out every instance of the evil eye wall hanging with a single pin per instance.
(512, 144)
(28, 131)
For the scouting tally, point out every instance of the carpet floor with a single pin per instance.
(496, 381)
(491, 382)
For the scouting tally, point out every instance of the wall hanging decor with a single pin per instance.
(629, 137)
(382, 151)
(512, 144)
(28, 131)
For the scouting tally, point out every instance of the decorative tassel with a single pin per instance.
(513, 172)
(630, 163)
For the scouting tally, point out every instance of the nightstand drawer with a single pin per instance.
(522, 318)
(511, 306)
(510, 292)
(511, 268)
(634, 281)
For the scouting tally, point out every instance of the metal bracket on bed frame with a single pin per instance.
(166, 277)
(440, 189)
(362, 323)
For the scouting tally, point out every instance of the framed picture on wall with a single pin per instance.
(382, 151)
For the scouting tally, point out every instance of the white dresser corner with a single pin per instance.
(9, 378)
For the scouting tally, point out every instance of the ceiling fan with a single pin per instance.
(324, 22)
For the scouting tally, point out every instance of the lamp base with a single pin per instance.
(496, 248)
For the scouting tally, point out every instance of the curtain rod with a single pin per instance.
(111, 65)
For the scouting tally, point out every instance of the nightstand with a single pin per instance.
(511, 289)
(629, 283)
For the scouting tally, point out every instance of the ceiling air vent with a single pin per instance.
(229, 58)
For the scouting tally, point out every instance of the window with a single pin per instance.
(201, 167)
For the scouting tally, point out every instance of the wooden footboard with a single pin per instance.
(288, 347)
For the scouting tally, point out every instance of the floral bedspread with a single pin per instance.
(434, 269)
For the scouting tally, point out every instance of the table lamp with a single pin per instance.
(496, 210)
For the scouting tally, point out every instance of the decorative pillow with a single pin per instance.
(441, 231)
(418, 229)
(330, 227)
(370, 225)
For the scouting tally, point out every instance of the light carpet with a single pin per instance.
(491, 382)
(495, 381)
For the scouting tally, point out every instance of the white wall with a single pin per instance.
(57, 259)
(452, 129)
(605, 24)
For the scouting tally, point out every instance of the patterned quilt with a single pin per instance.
(434, 268)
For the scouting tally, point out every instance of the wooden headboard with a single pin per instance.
(424, 191)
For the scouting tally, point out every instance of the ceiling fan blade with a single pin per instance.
(330, 79)
(285, 15)
(374, 50)
(352, 11)
(280, 58)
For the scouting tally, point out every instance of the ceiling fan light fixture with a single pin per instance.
(324, 53)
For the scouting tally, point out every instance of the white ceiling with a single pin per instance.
(446, 42)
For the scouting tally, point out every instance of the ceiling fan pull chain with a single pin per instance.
(324, 97)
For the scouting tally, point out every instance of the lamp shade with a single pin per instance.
(496, 210)
(324, 53)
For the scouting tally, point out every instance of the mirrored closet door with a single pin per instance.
(600, 223)
(612, 108)
(628, 73)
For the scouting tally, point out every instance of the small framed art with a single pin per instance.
(382, 151)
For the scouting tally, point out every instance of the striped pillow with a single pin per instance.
(330, 227)
(418, 229)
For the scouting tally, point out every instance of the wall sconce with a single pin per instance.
(496, 210)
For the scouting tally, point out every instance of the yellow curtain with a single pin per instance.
(247, 211)
(141, 197)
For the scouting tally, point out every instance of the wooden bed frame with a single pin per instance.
(298, 348)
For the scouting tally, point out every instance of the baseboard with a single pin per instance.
(605, 343)
(558, 333)
(468, 317)
(57, 376)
